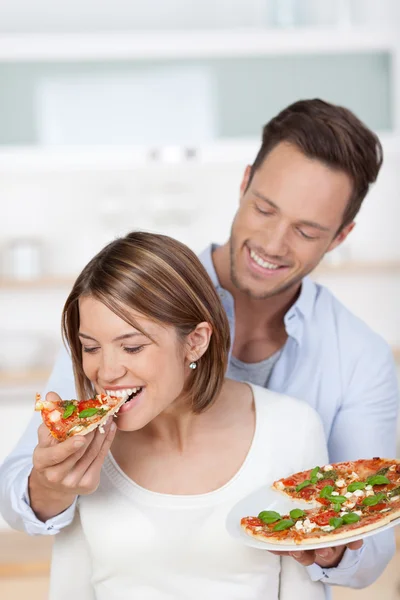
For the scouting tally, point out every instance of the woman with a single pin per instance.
(143, 319)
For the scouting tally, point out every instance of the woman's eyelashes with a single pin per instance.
(90, 349)
(127, 349)
(133, 349)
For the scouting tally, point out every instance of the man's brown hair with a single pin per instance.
(331, 134)
(163, 280)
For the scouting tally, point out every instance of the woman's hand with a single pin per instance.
(63, 470)
(325, 557)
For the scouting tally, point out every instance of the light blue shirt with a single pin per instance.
(331, 359)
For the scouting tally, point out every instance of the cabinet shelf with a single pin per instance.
(161, 45)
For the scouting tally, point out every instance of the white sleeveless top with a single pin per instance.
(129, 543)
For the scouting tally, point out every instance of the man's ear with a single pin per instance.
(341, 236)
(245, 180)
(198, 341)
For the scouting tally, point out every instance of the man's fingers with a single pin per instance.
(355, 545)
(305, 558)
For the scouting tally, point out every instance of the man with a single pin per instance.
(298, 201)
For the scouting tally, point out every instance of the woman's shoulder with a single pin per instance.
(268, 401)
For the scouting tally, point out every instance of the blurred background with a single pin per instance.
(125, 114)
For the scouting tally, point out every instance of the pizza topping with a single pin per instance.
(340, 483)
(54, 416)
(284, 524)
(328, 468)
(302, 485)
(373, 500)
(357, 485)
(70, 408)
(296, 513)
(88, 412)
(269, 516)
(377, 480)
(330, 474)
(313, 475)
(326, 491)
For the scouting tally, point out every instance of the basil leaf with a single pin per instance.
(314, 472)
(326, 491)
(296, 513)
(269, 516)
(303, 484)
(337, 507)
(373, 500)
(88, 412)
(336, 522)
(69, 410)
(284, 524)
(377, 480)
(357, 485)
(336, 499)
(350, 518)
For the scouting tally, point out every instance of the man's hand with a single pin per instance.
(325, 557)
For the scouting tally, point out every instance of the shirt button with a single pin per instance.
(222, 294)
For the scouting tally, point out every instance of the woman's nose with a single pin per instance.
(110, 369)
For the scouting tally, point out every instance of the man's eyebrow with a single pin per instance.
(117, 339)
(305, 223)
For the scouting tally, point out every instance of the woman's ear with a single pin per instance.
(198, 341)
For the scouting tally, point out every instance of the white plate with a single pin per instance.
(267, 499)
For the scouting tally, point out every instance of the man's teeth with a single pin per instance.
(123, 393)
(263, 263)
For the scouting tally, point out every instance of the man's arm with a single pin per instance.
(365, 426)
(15, 471)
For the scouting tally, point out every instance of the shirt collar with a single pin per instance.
(304, 303)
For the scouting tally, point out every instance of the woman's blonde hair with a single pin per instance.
(164, 280)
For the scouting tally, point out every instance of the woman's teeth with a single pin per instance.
(124, 393)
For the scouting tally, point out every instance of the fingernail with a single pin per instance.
(113, 426)
(79, 443)
(323, 553)
(296, 554)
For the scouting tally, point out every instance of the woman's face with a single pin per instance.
(117, 358)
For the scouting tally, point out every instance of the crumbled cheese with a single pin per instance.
(343, 512)
(369, 493)
(299, 526)
(358, 512)
(393, 498)
(349, 504)
(54, 416)
(335, 494)
(368, 487)
(354, 475)
(308, 526)
(328, 468)
(340, 483)
(327, 528)
(359, 493)
(348, 494)
(101, 429)
(280, 485)
(392, 468)
(319, 475)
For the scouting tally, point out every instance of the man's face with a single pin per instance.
(287, 220)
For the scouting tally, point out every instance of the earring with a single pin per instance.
(193, 365)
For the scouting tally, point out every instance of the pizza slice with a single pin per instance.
(316, 525)
(345, 483)
(71, 417)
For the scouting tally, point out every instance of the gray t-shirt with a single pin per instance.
(257, 373)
